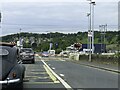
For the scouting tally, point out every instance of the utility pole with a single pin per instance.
(103, 30)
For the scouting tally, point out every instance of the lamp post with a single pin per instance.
(89, 35)
(88, 46)
(0, 17)
(50, 41)
(20, 39)
(93, 4)
(91, 27)
(103, 30)
(0, 27)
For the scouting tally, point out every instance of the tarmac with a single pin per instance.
(108, 67)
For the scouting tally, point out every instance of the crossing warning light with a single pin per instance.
(77, 45)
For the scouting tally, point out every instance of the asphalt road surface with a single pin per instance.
(76, 75)
(37, 77)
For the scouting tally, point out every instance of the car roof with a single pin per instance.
(11, 44)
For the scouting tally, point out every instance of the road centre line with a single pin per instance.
(53, 68)
(67, 86)
(62, 75)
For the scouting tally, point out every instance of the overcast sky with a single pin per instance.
(55, 15)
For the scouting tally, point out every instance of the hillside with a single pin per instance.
(60, 40)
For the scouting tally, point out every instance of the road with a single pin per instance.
(37, 77)
(75, 75)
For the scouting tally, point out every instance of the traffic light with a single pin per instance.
(56, 45)
(77, 45)
(34, 45)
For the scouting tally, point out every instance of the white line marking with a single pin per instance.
(67, 86)
(62, 60)
(62, 75)
(53, 68)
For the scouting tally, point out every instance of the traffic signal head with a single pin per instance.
(77, 45)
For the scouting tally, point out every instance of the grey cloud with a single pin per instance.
(55, 15)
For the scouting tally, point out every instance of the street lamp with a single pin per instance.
(20, 39)
(91, 26)
(93, 4)
(50, 41)
(89, 36)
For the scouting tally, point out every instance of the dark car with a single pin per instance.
(27, 55)
(11, 68)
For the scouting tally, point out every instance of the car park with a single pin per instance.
(12, 70)
(27, 55)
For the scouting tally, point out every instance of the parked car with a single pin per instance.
(27, 55)
(11, 68)
(45, 54)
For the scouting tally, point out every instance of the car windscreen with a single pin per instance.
(4, 52)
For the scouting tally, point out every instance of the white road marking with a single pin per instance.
(53, 68)
(62, 60)
(62, 75)
(67, 86)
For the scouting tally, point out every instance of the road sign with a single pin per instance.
(34, 45)
(90, 34)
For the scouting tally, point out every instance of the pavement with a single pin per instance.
(108, 67)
